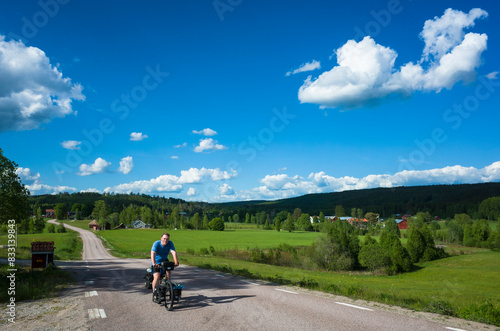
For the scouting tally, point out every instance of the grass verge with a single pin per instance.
(32, 285)
(461, 286)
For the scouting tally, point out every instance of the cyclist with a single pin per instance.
(159, 253)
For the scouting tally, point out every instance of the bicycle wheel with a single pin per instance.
(169, 296)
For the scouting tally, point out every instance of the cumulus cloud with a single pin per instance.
(174, 157)
(209, 144)
(309, 66)
(172, 183)
(195, 175)
(100, 165)
(138, 136)
(34, 184)
(32, 91)
(126, 165)
(71, 144)
(206, 132)
(225, 189)
(284, 186)
(366, 72)
(192, 192)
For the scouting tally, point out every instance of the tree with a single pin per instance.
(296, 213)
(13, 194)
(392, 227)
(100, 212)
(359, 213)
(321, 217)
(205, 222)
(39, 221)
(247, 218)
(372, 217)
(61, 211)
(289, 224)
(490, 208)
(339, 211)
(236, 218)
(195, 220)
(217, 224)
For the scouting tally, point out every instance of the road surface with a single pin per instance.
(115, 299)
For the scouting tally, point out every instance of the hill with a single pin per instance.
(440, 200)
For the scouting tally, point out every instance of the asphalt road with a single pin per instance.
(116, 299)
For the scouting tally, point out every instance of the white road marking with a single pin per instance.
(220, 275)
(279, 289)
(244, 281)
(103, 314)
(91, 294)
(96, 313)
(353, 306)
(89, 282)
(454, 329)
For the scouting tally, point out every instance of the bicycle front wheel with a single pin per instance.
(169, 296)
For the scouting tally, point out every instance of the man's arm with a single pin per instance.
(153, 258)
(174, 255)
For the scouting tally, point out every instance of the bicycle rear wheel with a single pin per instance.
(169, 296)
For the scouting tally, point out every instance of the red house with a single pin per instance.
(402, 224)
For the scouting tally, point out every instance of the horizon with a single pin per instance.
(233, 101)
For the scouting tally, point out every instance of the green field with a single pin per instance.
(68, 246)
(137, 243)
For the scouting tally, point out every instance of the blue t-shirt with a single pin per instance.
(162, 251)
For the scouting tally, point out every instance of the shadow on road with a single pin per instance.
(201, 301)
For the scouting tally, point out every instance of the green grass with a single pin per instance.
(137, 243)
(32, 285)
(465, 286)
(68, 246)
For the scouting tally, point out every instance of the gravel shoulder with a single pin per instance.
(63, 312)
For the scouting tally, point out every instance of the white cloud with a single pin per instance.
(126, 165)
(71, 144)
(366, 73)
(309, 66)
(172, 183)
(206, 132)
(174, 157)
(208, 144)
(32, 91)
(98, 166)
(192, 192)
(181, 145)
(225, 189)
(492, 75)
(195, 175)
(137, 136)
(91, 190)
(34, 184)
(283, 186)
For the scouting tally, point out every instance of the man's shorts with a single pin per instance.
(155, 270)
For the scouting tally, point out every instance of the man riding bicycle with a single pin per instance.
(159, 253)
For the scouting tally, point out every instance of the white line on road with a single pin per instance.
(220, 275)
(353, 306)
(91, 294)
(89, 282)
(279, 289)
(96, 313)
(244, 281)
(454, 329)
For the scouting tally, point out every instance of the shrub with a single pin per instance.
(217, 224)
(51, 228)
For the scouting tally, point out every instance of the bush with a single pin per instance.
(217, 224)
(61, 228)
(372, 256)
(51, 228)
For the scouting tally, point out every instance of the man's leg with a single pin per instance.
(168, 274)
(156, 277)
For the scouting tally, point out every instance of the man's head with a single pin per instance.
(165, 238)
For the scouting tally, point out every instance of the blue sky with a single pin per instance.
(235, 100)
